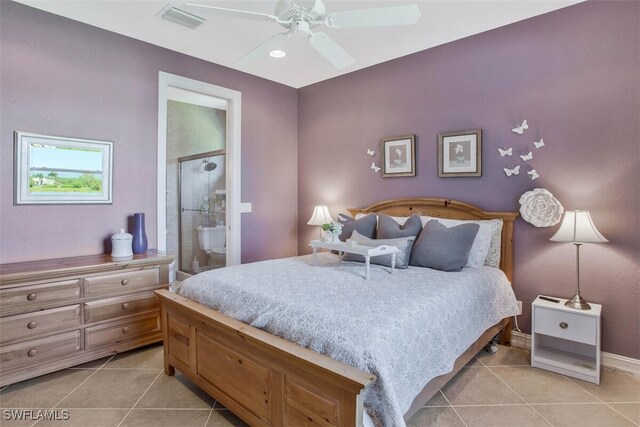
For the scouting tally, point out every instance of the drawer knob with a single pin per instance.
(32, 352)
(32, 297)
(125, 305)
(32, 325)
(564, 325)
(125, 282)
(125, 329)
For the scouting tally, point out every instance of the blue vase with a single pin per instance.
(139, 235)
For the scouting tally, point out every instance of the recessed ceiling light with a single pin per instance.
(277, 54)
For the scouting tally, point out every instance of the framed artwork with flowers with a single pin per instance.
(399, 156)
(460, 153)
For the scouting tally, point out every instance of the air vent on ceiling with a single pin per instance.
(183, 18)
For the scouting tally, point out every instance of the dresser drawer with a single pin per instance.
(127, 281)
(38, 351)
(112, 308)
(23, 326)
(113, 333)
(30, 298)
(569, 326)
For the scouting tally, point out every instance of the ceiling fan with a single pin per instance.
(300, 20)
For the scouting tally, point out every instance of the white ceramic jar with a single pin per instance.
(121, 245)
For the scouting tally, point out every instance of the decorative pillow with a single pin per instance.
(365, 225)
(443, 248)
(389, 228)
(483, 240)
(402, 258)
(495, 248)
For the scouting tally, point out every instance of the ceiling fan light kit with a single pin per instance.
(300, 21)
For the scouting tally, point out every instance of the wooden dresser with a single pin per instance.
(63, 312)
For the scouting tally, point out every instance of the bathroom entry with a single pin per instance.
(199, 169)
(196, 182)
(202, 212)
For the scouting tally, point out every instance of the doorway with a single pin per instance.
(198, 174)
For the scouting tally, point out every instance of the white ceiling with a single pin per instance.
(223, 40)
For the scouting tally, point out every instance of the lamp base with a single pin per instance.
(577, 303)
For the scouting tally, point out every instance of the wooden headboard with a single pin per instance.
(447, 208)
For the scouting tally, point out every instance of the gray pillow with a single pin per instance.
(443, 248)
(388, 228)
(366, 226)
(402, 243)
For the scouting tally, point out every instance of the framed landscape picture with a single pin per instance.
(460, 153)
(399, 156)
(61, 170)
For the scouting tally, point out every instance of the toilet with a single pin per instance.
(212, 240)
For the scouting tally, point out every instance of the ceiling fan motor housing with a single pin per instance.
(300, 28)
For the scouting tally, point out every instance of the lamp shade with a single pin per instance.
(578, 227)
(320, 216)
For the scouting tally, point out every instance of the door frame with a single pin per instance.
(233, 165)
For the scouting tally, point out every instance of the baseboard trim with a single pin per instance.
(610, 360)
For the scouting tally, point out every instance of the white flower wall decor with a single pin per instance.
(540, 208)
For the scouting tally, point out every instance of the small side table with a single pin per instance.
(366, 251)
(565, 340)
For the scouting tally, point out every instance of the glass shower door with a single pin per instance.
(202, 212)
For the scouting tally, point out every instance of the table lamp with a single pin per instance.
(577, 227)
(320, 216)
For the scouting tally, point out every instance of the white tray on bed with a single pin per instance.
(366, 251)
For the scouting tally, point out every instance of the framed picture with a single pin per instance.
(60, 170)
(460, 153)
(399, 156)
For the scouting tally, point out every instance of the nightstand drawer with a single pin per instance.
(121, 282)
(112, 308)
(41, 350)
(31, 298)
(28, 325)
(569, 326)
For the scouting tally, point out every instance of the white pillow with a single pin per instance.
(482, 243)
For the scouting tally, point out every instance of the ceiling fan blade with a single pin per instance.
(231, 13)
(263, 49)
(384, 16)
(331, 50)
(319, 8)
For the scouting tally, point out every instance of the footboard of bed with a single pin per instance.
(263, 379)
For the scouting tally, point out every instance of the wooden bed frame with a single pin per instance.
(268, 381)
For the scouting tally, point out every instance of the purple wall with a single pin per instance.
(574, 74)
(61, 77)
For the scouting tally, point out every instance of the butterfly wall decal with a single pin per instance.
(534, 174)
(520, 129)
(514, 171)
(507, 152)
(370, 152)
(539, 144)
(374, 167)
(527, 157)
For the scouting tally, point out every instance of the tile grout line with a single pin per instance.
(210, 413)
(452, 407)
(606, 403)
(85, 380)
(140, 398)
(518, 394)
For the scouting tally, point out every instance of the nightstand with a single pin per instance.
(565, 340)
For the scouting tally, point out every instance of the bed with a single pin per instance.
(268, 380)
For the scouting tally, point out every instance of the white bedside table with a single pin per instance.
(366, 251)
(565, 340)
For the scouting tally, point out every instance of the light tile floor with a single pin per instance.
(493, 390)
